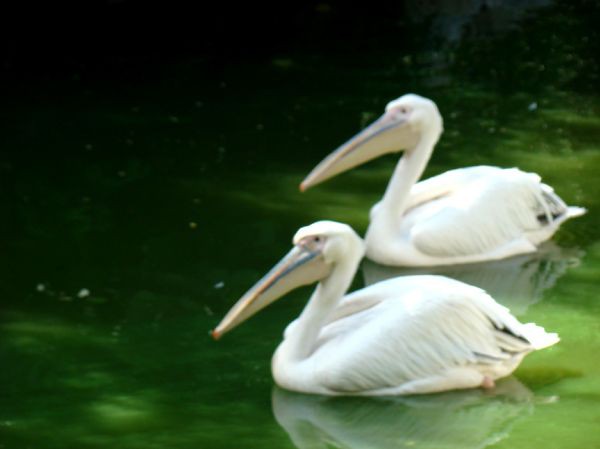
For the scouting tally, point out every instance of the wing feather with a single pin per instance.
(422, 332)
(491, 211)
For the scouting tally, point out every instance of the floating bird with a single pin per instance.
(461, 216)
(407, 335)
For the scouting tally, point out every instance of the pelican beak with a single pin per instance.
(301, 266)
(389, 133)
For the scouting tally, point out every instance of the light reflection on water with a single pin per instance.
(516, 282)
(466, 419)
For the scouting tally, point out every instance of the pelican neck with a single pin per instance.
(408, 170)
(316, 313)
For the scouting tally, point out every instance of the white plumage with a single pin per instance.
(414, 334)
(478, 213)
(461, 216)
(419, 334)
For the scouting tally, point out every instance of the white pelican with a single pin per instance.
(461, 216)
(413, 334)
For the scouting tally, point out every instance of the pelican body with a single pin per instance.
(465, 215)
(407, 335)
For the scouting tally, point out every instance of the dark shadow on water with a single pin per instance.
(517, 282)
(462, 419)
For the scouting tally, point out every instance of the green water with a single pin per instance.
(167, 199)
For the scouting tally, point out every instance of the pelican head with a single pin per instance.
(404, 123)
(318, 248)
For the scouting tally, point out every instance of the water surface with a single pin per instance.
(134, 216)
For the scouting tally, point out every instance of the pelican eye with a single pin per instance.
(313, 243)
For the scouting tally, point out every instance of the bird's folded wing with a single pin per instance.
(418, 336)
(481, 218)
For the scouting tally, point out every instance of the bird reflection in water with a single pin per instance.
(517, 282)
(460, 419)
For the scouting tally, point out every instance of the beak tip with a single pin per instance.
(215, 334)
(305, 185)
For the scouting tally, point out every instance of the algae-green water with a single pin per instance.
(134, 216)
